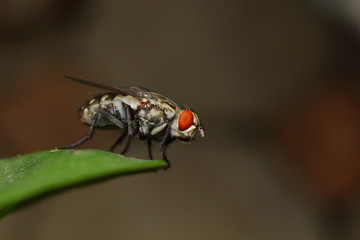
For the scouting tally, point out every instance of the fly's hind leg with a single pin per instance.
(81, 141)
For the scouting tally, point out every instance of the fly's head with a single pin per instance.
(185, 125)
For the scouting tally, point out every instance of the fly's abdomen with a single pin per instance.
(91, 113)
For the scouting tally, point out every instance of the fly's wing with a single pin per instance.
(166, 100)
(133, 91)
(155, 99)
(136, 91)
(162, 102)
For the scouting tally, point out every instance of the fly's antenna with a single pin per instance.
(186, 107)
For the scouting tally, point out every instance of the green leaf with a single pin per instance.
(26, 178)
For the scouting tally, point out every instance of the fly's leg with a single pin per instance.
(127, 126)
(128, 121)
(130, 129)
(116, 121)
(127, 146)
(163, 145)
(121, 125)
(149, 145)
(119, 141)
(164, 156)
(81, 141)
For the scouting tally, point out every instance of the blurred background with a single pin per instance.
(275, 84)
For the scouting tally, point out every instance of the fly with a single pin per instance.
(139, 112)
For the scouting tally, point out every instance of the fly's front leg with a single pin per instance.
(163, 145)
(84, 139)
(149, 145)
(154, 132)
(164, 156)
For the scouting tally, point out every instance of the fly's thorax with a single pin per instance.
(131, 101)
(155, 100)
(151, 121)
(153, 116)
(185, 125)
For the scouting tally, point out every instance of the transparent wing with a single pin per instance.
(133, 91)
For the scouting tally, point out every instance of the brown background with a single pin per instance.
(274, 83)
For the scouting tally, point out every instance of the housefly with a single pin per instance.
(139, 112)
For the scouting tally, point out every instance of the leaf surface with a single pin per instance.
(29, 177)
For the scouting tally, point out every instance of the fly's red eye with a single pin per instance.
(185, 120)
